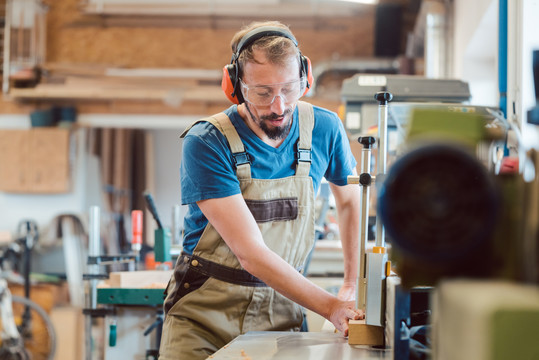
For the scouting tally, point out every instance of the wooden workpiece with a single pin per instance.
(360, 333)
(139, 279)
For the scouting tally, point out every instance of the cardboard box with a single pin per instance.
(35, 160)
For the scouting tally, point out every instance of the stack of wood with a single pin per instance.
(98, 82)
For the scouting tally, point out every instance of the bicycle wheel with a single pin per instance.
(40, 339)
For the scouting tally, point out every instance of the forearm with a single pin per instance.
(247, 244)
(278, 274)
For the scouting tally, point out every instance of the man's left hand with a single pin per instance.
(347, 292)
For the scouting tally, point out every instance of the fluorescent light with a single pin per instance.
(371, 2)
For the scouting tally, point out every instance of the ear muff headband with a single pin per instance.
(230, 79)
(259, 33)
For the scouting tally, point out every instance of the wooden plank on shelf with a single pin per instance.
(48, 91)
(198, 74)
(86, 69)
(119, 83)
(202, 93)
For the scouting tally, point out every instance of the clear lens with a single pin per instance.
(264, 95)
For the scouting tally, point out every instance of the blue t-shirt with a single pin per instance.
(207, 169)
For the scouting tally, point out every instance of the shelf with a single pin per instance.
(167, 95)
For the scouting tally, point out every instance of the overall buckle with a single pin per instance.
(241, 158)
(303, 155)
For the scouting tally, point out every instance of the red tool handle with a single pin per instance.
(136, 227)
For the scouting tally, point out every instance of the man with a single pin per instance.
(249, 177)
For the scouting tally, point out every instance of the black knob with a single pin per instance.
(383, 97)
(366, 141)
(365, 179)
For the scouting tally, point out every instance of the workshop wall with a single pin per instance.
(180, 42)
(89, 44)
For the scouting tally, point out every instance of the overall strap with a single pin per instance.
(306, 125)
(225, 126)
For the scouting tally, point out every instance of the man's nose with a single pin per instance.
(279, 104)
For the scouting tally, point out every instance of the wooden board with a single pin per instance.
(360, 333)
(69, 325)
(35, 160)
(50, 160)
(140, 279)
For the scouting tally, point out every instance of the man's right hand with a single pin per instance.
(343, 312)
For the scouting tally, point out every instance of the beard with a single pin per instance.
(274, 133)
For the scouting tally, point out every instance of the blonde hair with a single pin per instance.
(277, 49)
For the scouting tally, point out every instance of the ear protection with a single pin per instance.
(230, 80)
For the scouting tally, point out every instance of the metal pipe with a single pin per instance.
(94, 246)
(383, 98)
(502, 55)
(364, 221)
(88, 338)
(435, 45)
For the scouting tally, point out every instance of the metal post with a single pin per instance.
(383, 98)
(376, 261)
(365, 181)
(502, 54)
(94, 246)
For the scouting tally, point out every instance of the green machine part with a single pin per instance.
(162, 245)
(130, 296)
(462, 128)
(514, 334)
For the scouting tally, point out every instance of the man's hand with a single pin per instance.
(344, 311)
(347, 292)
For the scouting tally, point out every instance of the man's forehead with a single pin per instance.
(281, 84)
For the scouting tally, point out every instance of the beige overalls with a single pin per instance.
(211, 299)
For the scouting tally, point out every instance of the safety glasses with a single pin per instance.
(264, 95)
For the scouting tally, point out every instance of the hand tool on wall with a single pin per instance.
(136, 229)
(151, 206)
(161, 234)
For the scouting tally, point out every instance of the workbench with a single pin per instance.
(264, 345)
